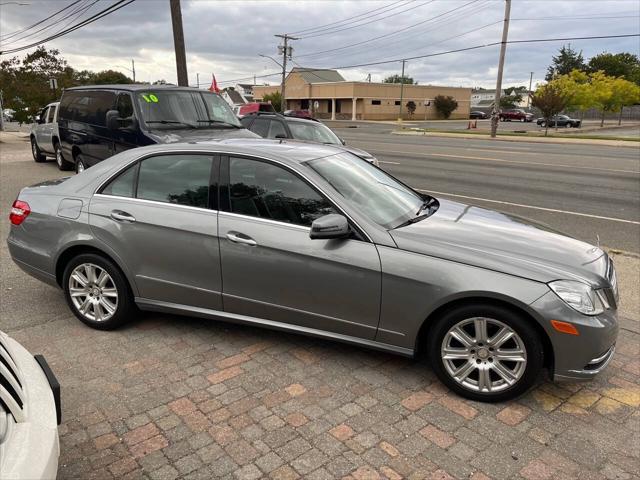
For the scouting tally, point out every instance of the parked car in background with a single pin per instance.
(478, 115)
(29, 414)
(560, 121)
(45, 137)
(96, 122)
(298, 113)
(308, 238)
(516, 115)
(273, 125)
(255, 107)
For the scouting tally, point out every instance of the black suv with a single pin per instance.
(273, 125)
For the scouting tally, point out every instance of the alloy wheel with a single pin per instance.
(93, 292)
(483, 355)
(59, 157)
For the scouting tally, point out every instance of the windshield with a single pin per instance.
(313, 132)
(185, 109)
(374, 193)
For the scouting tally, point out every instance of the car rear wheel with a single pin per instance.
(485, 353)
(35, 151)
(97, 292)
(62, 163)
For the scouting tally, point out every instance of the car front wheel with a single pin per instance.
(97, 292)
(485, 353)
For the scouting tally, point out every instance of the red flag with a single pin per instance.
(214, 85)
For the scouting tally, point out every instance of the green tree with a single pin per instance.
(110, 77)
(400, 79)
(612, 94)
(566, 61)
(275, 99)
(411, 107)
(551, 100)
(445, 105)
(623, 64)
(577, 88)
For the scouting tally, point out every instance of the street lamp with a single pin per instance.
(272, 59)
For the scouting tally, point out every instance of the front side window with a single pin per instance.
(313, 132)
(260, 126)
(376, 194)
(263, 190)
(124, 105)
(171, 109)
(181, 179)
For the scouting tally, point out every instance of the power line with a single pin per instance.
(476, 47)
(322, 27)
(367, 23)
(103, 13)
(438, 24)
(9, 35)
(73, 15)
(388, 34)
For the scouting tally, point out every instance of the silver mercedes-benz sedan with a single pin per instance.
(312, 239)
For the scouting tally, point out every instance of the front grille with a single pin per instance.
(11, 389)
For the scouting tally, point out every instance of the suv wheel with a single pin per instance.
(80, 166)
(485, 353)
(35, 151)
(97, 292)
(62, 163)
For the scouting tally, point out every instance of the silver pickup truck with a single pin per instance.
(45, 139)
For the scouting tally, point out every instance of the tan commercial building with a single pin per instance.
(328, 95)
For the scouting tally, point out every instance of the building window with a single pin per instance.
(376, 102)
(397, 102)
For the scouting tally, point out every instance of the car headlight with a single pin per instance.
(580, 296)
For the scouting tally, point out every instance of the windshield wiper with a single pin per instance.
(428, 203)
(221, 122)
(172, 122)
(431, 204)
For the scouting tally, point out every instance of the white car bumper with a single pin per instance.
(29, 447)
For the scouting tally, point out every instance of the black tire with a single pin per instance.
(36, 152)
(60, 161)
(80, 165)
(124, 306)
(514, 320)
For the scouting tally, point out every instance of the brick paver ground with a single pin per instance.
(170, 397)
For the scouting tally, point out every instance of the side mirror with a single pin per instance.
(111, 119)
(329, 226)
(38, 119)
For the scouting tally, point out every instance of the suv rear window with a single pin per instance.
(86, 106)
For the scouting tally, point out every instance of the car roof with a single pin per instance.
(136, 87)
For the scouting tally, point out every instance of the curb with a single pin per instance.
(565, 141)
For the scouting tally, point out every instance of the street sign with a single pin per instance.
(53, 84)
(316, 105)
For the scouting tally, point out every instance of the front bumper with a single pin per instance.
(578, 357)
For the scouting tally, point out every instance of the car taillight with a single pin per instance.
(19, 211)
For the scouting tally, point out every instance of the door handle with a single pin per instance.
(121, 216)
(241, 238)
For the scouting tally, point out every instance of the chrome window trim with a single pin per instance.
(156, 202)
(264, 220)
(228, 154)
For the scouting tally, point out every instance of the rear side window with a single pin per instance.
(123, 185)
(260, 126)
(181, 179)
(87, 106)
(51, 113)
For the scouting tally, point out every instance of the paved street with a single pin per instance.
(173, 397)
(586, 191)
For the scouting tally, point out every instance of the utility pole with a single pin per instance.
(1, 112)
(495, 113)
(133, 70)
(178, 43)
(286, 50)
(529, 92)
(197, 80)
(401, 91)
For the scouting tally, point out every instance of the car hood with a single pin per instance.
(199, 135)
(503, 242)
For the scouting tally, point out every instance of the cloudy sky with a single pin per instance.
(227, 37)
